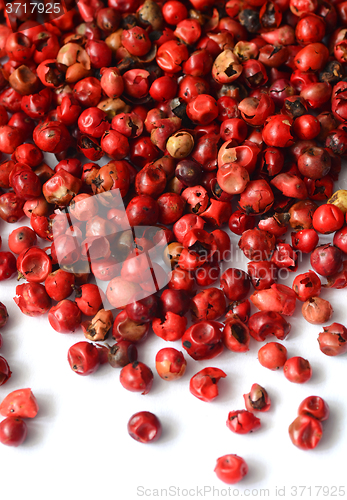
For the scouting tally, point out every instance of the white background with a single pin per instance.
(78, 445)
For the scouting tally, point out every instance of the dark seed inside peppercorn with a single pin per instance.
(250, 20)
(332, 73)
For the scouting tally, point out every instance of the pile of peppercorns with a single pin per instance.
(211, 114)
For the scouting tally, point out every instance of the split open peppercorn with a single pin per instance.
(203, 340)
(257, 399)
(236, 335)
(242, 422)
(333, 340)
(203, 384)
(314, 406)
(20, 403)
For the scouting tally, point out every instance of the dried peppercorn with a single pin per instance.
(242, 422)
(333, 340)
(203, 384)
(144, 427)
(314, 406)
(272, 355)
(201, 100)
(297, 370)
(136, 377)
(305, 432)
(20, 403)
(257, 399)
(231, 469)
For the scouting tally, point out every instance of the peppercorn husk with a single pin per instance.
(339, 199)
(99, 326)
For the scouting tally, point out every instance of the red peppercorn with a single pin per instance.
(314, 406)
(235, 283)
(263, 274)
(83, 358)
(328, 219)
(59, 284)
(88, 299)
(136, 41)
(241, 309)
(142, 210)
(272, 355)
(307, 285)
(306, 127)
(326, 260)
(278, 298)
(142, 310)
(297, 370)
(144, 427)
(21, 239)
(126, 329)
(242, 422)
(317, 311)
(5, 372)
(257, 399)
(236, 334)
(171, 328)
(284, 257)
(13, 431)
(209, 304)
(305, 240)
(171, 55)
(174, 12)
(305, 432)
(256, 244)
(231, 469)
(231, 177)
(277, 131)
(136, 377)
(65, 317)
(7, 265)
(20, 403)
(170, 363)
(340, 239)
(257, 198)
(265, 323)
(202, 109)
(333, 340)
(203, 384)
(223, 243)
(3, 315)
(203, 340)
(170, 208)
(32, 299)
